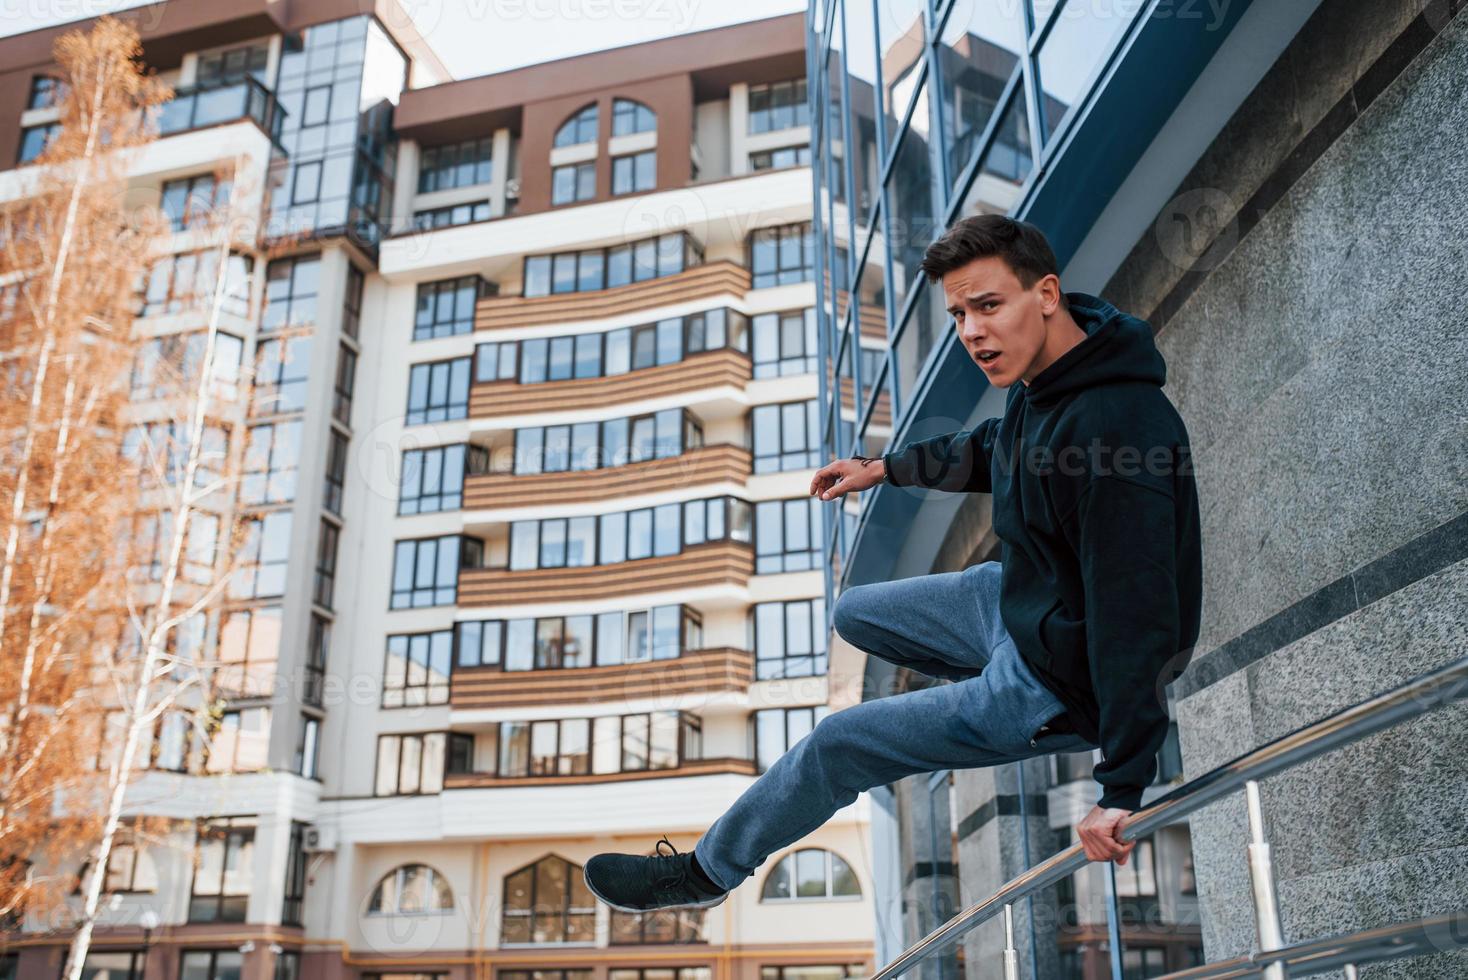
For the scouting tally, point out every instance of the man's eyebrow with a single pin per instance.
(973, 299)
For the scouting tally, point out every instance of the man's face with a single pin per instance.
(1001, 324)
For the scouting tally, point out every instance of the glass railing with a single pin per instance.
(196, 108)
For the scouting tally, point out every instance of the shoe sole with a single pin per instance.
(623, 908)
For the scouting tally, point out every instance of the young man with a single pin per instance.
(1064, 645)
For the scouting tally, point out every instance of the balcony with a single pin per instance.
(716, 563)
(695, 373)
(691, 767)
(695, 672)
(724, 462)
(197, 108)
(700, 282)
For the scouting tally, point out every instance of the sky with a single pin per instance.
(477, 37)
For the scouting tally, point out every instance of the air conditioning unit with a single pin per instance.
(319, 839)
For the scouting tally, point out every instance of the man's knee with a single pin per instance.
(847, 615)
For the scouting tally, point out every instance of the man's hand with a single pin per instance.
(838, 478)
(1100, 835)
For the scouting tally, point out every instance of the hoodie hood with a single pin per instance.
(1118, 348)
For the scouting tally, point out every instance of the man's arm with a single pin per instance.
(957, 461)
(1127, 551)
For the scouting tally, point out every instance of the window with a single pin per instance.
(295, 881)
(336, 473)
(547, 902)
(635, 172)
(130, 869)
(260, 569)
(290, 292)
(281, 373)
(287, 966)
(605, 268)
(454, 214)
(1140, 962)
(306, 188)
(812, 971)
(573, 182)
(223, 863)
(160, 450)
(46, 92)
(352, 305)
(232, 66)
(596, 355)
(455, 165)
(308, 747)
(787, 535)
(346, 382)
(319, 643)
(416, 671)
(778, 106)
(614, 442)
(580, 128)
(785, 156)
(241, 743)
(35, 139)
(152, 539)
(656, 928)
(412, 889)
(187, 281)
(786, 436)
(213, 964)
(776, 730)
(552, 643)
(410, 764)
(446, 307)
(784, 343)
(110, 965)
(544, 974)
(326, 546)
(607, 744)
(169, 365)
(271, 456)
(781, 256)
(627, 535)
(789, 638)
(433, 479)
(191, 201)
(810, 873)
(438, 391)
(426, 570)
(249, 648)
(630, 117)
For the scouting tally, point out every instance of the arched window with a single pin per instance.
(630, 117)
(580, 128)
(412, 889)
(547, 902)
(809, 874)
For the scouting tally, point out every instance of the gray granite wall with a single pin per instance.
(1319, 354)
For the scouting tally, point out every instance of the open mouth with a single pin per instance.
(987, 356)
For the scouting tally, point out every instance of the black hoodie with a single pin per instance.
(1097, 516)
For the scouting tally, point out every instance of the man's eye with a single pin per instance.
(988, 303)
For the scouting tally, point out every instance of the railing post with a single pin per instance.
(1011, 955)
(1261, 880)
(1350, 972)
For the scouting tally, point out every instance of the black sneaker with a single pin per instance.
(642, 882)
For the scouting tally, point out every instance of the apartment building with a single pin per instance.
(1265, 184)
(527, 426)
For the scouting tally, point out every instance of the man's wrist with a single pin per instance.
(881, 462)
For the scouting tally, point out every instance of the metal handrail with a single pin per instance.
(1412, 699)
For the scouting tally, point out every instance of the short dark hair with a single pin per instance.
(1021, 245)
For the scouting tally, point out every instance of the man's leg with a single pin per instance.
(944, 625)
(981, 721)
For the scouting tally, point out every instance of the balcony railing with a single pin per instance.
(196, 108)
(699, 282)
(696, 467)
(690, 767)
(713, 670)
(1274, 960)
(715, 563)
(725, 367)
